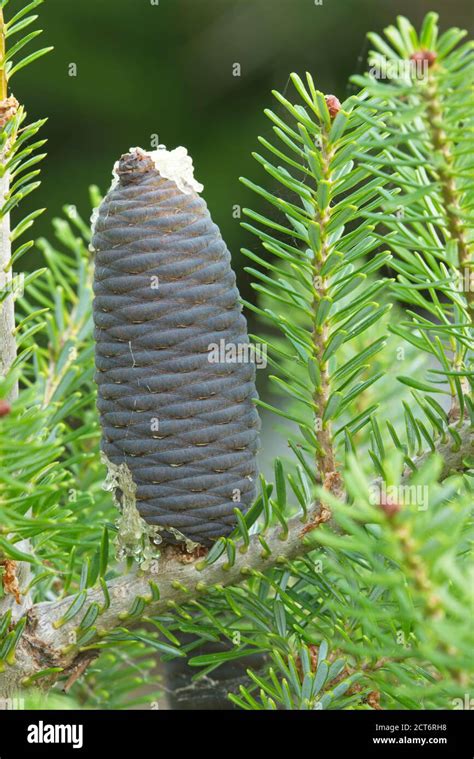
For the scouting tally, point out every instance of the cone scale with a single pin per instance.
(179, 429)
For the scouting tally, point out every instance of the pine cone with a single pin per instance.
(180, 433)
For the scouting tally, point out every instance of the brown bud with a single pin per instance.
(373, 699)
(8, 108)
(10, 579)
(389, 507)
(333, 105)
(5, 408)
(424, 55)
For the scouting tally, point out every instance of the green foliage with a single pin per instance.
(405, 583)
(18, 146)
(19, 21)
(51, 478)
(321, 251)
(54, 418)
(374, 612)
(388, 592)
(427, 152)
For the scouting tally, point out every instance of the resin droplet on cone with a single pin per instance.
(180, 432)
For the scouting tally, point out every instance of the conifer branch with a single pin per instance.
(430, 213)
(17, 180)
(8, 108)
(173, 580)
(454, 213)
(3, 75)
(376, 162)
(325, 458)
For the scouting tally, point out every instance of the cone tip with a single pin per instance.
(175, 165)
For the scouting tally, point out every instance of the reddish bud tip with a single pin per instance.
(333, 105)
(5, 408)
(424, 55)
(389, 507)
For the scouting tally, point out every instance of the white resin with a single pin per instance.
(175, 164)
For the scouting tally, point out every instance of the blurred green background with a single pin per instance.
(147, 67)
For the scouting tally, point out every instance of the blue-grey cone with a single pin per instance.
(185, 427)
